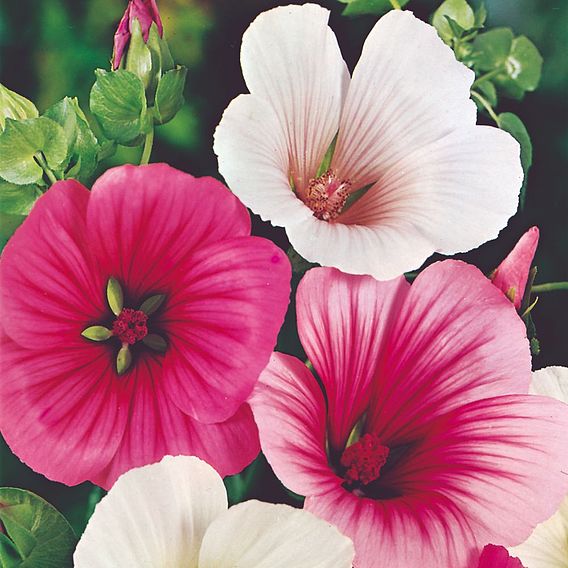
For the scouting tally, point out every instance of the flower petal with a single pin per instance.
(497, 557)
(289, 409)
(156, 427)
(62, 411)
(456, 339)
(290, 59)
(154, 516)
(552, 382)
(407, 91)
(222, 323)
(342, 323)
(49, 286)
(264, 535)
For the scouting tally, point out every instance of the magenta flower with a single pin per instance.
(425, 445)
(182, 307)
(497, 557)
(512, 274)
(146, 12)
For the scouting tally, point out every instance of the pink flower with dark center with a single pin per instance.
(512, 274)
(146, 12)
(369, 173)
(424, 444)
(137, 319)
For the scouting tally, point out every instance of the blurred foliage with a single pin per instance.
(49, 49)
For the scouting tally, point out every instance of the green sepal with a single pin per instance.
(21, 140)
(97, 333)
(119, 103)
(123, 360)
(457, 30)
(155, 342)
(115, 297)
(512, 124)
(36, 533)
(369, 7)
(15, 106)
(169, 95)
(82, 144)
(138, 56)
(457, 10)
(17, 199)
(488, 90)
(150, 305)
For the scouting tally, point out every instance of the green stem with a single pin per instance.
(550, 287)
(148, 143)
(46, 169)
(395, 4)
(487, 105)
(486, 76)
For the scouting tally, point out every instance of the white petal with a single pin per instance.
(547, 547)
(263, 535)
(551, 381)
(154, 515)
(407, 90)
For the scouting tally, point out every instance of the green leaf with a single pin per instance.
(17, 199)
(369, 7)
(524, 64)
(512, 124)
(487, 89)
(457, 30)
(492, 48)
(83, 146)
(480, 16)
(37, 532)
(21, 140)
(169, 96)
(119, 103)
(14, 105)
(8, 225)
(459, 11)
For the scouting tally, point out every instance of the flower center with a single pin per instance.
(130, 326)
(364, 459)
(326, 195)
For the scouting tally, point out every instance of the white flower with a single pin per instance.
(173, 514)
(405, 126)
(547, 547)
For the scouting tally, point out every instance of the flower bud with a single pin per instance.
(15, 106)
(512, 274)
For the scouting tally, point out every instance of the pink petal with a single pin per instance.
(407, 90)
(156, 427)
(144, 223)
(289, 409)
(497, 557)
(290, 59)
(513, 272)
(222, 324)
(342, 323)
(456, 339)
(50, 289)
(62, 411)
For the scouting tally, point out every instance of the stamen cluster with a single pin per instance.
(364, 460)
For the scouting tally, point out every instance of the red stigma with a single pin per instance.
(130, 326)
(364, 460)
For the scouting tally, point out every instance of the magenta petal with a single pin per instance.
(50, 291)
(456, 339)
(512, 274)
(289, 408)
(497, 557)
(342, 322)
(61, 410)
(223, 322)
(157, 428)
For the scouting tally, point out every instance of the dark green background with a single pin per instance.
(49, 49)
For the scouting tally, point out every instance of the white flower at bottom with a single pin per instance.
(547, 547)
(173, 514)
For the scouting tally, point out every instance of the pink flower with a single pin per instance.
(202, 304)
(497, 557)
(427, 178)
(146, 12)
(425, 445)
(512, 274)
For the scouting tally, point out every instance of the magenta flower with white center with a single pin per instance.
(137, 319)
(424, 445)
(411, 173)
